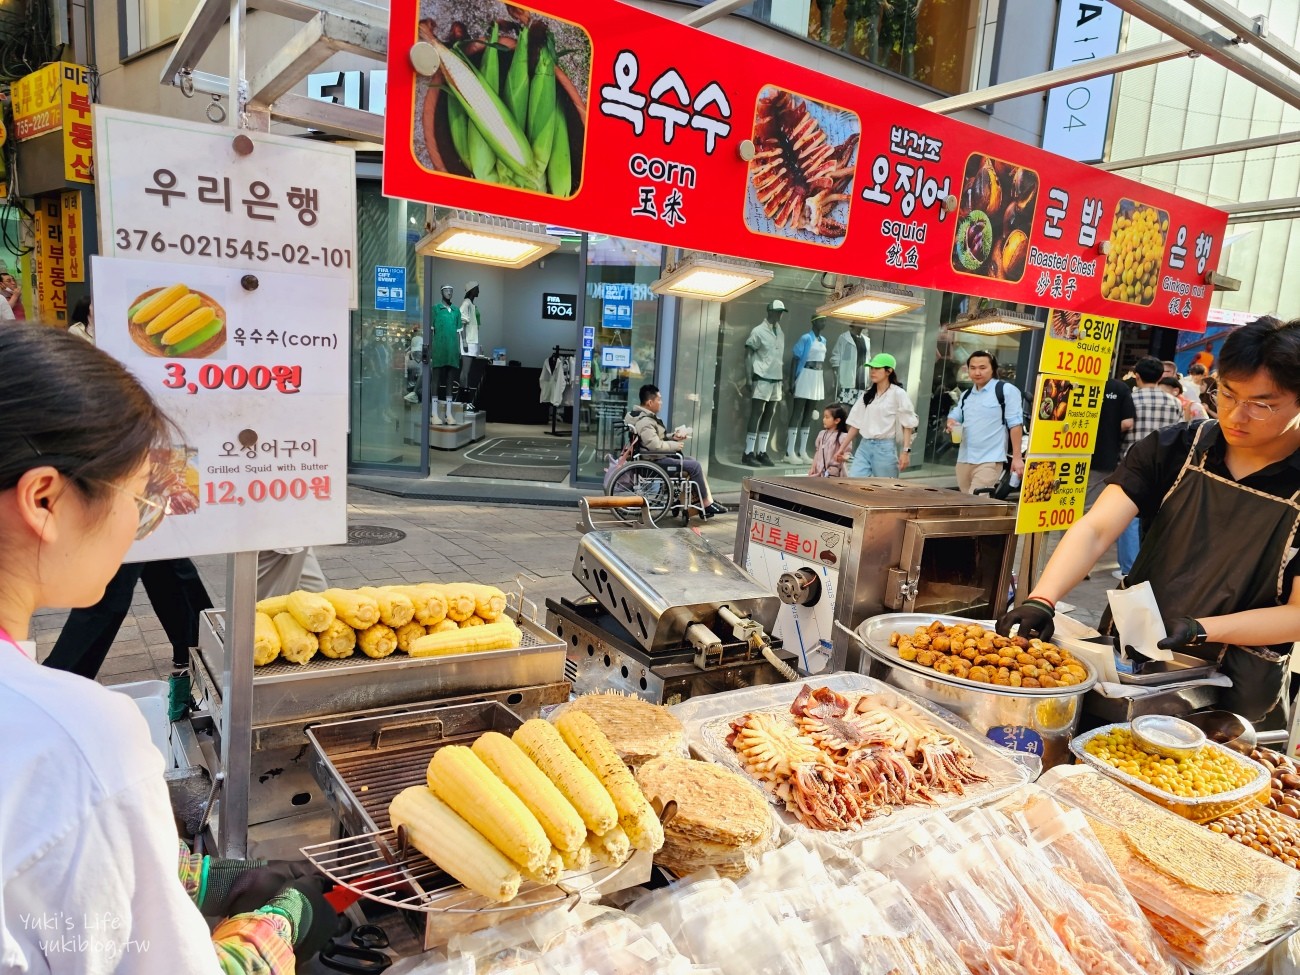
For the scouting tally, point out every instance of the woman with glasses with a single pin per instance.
(1234, 481)
(92, 876)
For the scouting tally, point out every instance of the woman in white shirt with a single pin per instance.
(883, 415)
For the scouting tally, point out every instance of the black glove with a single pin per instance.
(239, 886)
(1035, 617)
(1183, 632)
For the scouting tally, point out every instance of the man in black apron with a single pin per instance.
(1233, 483)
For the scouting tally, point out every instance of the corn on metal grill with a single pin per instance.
(362, 764)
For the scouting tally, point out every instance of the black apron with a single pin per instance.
(1256, 533)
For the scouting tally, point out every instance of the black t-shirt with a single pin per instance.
(1116, 406)
(1151, 466)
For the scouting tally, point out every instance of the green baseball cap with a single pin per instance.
(882, 360)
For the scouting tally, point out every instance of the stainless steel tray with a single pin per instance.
(1181, 668)
(323, 687)
(876, 632)
(363, 763)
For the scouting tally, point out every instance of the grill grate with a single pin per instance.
(377, 867)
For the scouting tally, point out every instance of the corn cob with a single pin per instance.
(550, 870)
(489, 601)
(508, 762)
(485, 109)
(266, 640)
(559, 171)
(408, 634)
(297, 644)
(501, 635)
(337, 641)
(395, 608)
(635, 815)
(579, 859)
(543, 744)
(273, 605)
(453, 844)
(377, 641)
(472, 621)
(196, 339)
(312, 611)
(442, 626)
(190, 324)
(173, 314)
(516, 92)
(354, 609)
(542, 106)
(460, 779)
(429, 603)
(612, 847)
(460, 602)
(157, 304)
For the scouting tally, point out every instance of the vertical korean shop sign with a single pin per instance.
(634, 126)
(213, 300)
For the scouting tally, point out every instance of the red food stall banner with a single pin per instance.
(618, 121)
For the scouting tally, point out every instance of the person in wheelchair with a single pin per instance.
(652, 438)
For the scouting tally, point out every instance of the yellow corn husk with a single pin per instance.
(395, 608)
(190, 324)
(297, 644)
(472, 621)
(266, 640)
(550, 870)
(377, 641)
(428, 601)
(543, 744)
(159, 303)
(442, 626)
(454, 845)
(501, 635)
(489, 601)
(312, 610)
(612, 847)
(460, 779)
(408, 634)
(353, 608)
(635, 815)
(579, 859)
(508, 762)
(460, 602)
(338, 641)
(173, 314)
(273, 606)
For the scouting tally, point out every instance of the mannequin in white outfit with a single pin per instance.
(807, 390)
(469, 319)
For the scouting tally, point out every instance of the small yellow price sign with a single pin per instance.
(1051, 493)
(1065, 418)
(1078, 346)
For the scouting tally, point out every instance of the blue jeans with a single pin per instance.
(1126, 547)
(874, 458)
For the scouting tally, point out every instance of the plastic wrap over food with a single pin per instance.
(1218, 904)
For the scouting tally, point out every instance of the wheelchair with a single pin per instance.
(661, 480)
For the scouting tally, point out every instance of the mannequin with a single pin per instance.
(470, 319)
(764, 356)
(807, 389)
(444, 353)
(849, 360)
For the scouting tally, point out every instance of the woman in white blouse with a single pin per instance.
(883, 415)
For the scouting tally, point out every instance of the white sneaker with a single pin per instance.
(434, 419)
(791, 459)
(412, 397)
(1117, 575)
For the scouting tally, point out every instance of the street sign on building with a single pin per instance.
(1078, 114)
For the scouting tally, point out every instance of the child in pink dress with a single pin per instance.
(826, 454)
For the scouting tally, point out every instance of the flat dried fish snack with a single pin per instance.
(714, 805)
(638, 730)
(1203, 865)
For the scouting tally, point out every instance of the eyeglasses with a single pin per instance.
(151, 510)
(1225, 402)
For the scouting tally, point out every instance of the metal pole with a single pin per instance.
(1197, 152)
(237, 703)
(711, 12)
(238, 21)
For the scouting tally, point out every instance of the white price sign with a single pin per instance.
(256, 384)
(178, 191)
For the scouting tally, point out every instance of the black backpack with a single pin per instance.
(1026, 405)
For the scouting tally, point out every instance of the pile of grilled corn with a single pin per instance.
(548, 800)
(424, 620)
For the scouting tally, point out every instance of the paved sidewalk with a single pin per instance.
(444, 542)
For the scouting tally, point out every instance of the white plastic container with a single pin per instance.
(150, 697)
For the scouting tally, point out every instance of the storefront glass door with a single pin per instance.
(388, 425)
(621, 322)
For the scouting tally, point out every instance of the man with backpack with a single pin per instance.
(986, 414)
